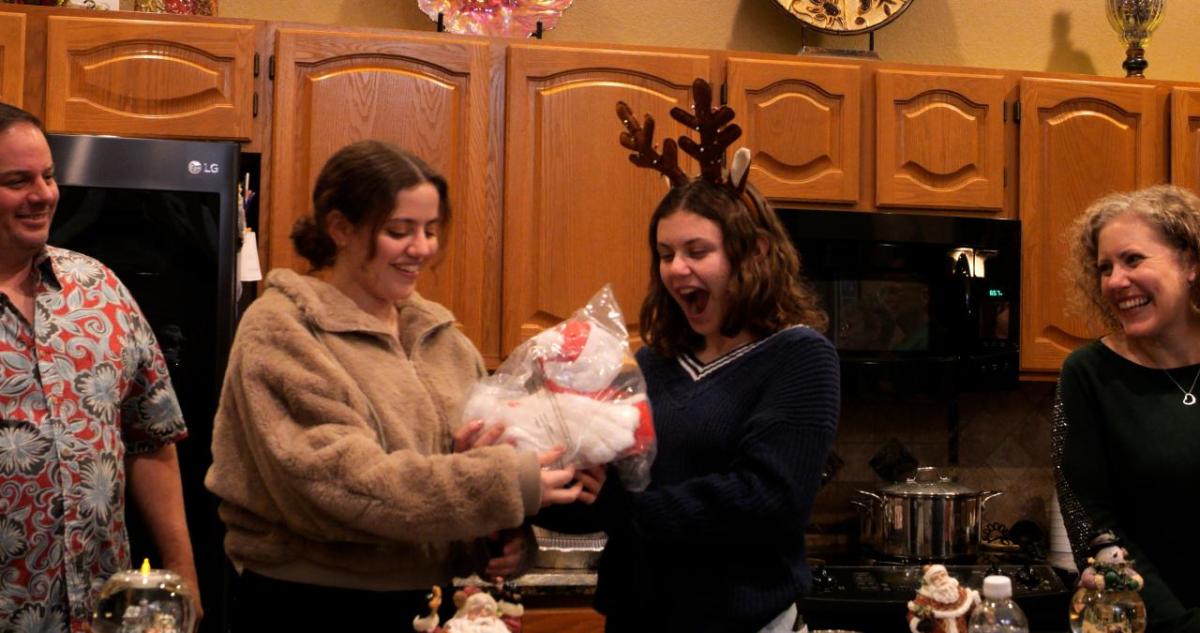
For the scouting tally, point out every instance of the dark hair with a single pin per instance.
(767, 292)
(12, 115)
(361, 181)
(1172, 211)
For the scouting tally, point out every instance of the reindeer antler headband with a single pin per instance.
(716, 134)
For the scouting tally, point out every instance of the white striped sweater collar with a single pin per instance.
(698, 370)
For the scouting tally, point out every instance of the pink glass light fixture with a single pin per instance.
(495, 17)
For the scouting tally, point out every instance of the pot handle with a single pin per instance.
(987, 494)
(863, 504)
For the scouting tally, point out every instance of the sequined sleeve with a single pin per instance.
(1079, 524)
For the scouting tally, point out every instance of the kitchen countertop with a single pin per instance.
(547, 582)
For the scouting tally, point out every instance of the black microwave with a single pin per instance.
(917, 304)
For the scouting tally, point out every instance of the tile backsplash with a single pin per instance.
(1003, 444)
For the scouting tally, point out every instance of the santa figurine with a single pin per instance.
(477, 612)
(941, 605)
(1109, 567)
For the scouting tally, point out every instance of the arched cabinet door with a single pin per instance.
(576, 210)
(150, 77)
(802, 121)
(12, 58)
(940, 140)
(1185, 137)
(1079, 140)
(437, 97)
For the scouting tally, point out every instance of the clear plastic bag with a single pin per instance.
(577, 386)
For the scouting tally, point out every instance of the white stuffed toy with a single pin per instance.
(574, 386)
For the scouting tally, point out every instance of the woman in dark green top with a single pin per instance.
(1126, 439)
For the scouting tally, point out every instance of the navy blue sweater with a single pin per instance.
(716, 543)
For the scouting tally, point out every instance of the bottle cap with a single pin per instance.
(997, 587)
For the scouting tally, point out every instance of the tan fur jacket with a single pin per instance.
(330, 444)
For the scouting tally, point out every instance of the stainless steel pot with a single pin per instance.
(927, 518)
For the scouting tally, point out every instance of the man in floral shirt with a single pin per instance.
(84, 399)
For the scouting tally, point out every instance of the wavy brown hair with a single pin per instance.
(361, 181)
(767, 291)
(1172, 211)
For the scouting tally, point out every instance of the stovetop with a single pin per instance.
(875, 597)
(900, 582)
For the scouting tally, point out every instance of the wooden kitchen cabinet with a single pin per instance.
(439, 97)
(1185, 137)
(1079, 140)
(141, 77)
(576, 212)
(941, 139)
(803, 122)
(12, 58)
(562, 620)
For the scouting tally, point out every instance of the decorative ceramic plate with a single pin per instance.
(845, 17)
(495, 17)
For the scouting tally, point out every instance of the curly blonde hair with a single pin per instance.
(1173, 211)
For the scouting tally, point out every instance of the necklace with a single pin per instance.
(1188, 397)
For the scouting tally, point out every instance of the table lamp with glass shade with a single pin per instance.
(1134, 20)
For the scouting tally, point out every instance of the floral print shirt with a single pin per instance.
(80, 388)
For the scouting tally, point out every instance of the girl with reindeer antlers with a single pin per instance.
(745, 392)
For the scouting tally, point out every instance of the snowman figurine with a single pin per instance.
(1109, 567)
(1107, 600)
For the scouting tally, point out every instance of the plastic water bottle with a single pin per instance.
(997, 613)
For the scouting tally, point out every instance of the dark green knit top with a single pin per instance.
(1127, 456)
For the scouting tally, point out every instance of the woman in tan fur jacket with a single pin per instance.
(347, 485)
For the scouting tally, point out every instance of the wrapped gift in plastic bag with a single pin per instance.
(576, 386)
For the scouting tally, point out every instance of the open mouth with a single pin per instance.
(693, 301)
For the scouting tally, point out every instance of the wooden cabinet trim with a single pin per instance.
(1185, 137)
(1115, 129)
(556, 224)
(106, 75)
(770, 96)
(12, 58)
(963, 168)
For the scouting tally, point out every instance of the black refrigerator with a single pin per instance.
(163, 215)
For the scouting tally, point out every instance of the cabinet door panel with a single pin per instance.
(149, 78)
(576, 210)
(802, 122)
(12, 58)
(1079, 140)
(940, 140)
(1185, 137)
(437, 98)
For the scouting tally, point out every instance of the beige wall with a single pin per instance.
(1051, 35)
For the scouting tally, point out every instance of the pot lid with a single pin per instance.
(928, 482)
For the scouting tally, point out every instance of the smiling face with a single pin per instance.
(1145, 282)
(406, 243)
(28, 192)
(695, 269)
